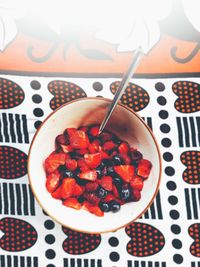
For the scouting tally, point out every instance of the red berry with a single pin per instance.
(72, 203)
(61, 139)
(93, 160)
(82, 165)
(123, 148)
(92, 197)
(109, 145)
(104, 155)
(71, 164)
(109, 198)
(115, 191)
(79, 140)
(66, 148)
(88, 175)
(78, 190)
(82, 151)
(126, 172)
(94, 131)
(92, 208)
(144, 168)
(57, 193)
(67, 187)
(106, 183)
(83, 128)
(137, 183)
(91, 186)
(53, 161)
(105, 136)
(126, 158)
(136, 195)
(53, 181)
(94, 147)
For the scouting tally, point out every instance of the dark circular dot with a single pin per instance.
(163, 114)
(113, 241)
(167, 156)
(173, 200)
(161, 100)
(169, 171)
(174, 214)
(38, 112)
(171, 185)
(166, 142)
(178, 258)
(177, 243)
(37, 124)
(35, 85)
(97, 86)
(44, 212)
(50, 239)
(49, 224)
(50, 265)
(37, 99)
(99, 96)
(50, 254)
(160, 87)
(176, 229)
(114, 256)
(165, 128)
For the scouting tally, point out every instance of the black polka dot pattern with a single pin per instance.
(169, 171)
(173, 200)
(167, 156)
(114, 256)
(49, 224)
(174, 214)
(37, 99)
(163, 114)
(50, 254)
(176, 243)
(160, 86)
(178, 258)
(97, 86)
(113, 241)
(37, 124)
(161, 100)
(50, 239)
(176, 229)
(166, 142)
(38, 112)
(35, 85)
(171, 185)
(165, 128)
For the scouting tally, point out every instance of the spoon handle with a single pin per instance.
(122, 86)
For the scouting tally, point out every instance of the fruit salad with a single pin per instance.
(95, 172)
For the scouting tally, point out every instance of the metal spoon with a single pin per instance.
(122, 86)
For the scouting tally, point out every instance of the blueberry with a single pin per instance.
(101, 192)
(114, 206)
(66, 173)
(116, 140)
(136, 155)
(104, 206)
(81, 199)
(81, 181)
(62, 168)
(99, 172)
(117, 181)
(125, 193)
(117, 160)
(111, 172)
(107, 162)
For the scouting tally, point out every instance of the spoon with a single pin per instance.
(122, 86)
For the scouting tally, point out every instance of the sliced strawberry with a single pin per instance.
(93, 160)
(126, 172)
(109, 198)
(53, 181)
(72, 203)
(82, 165)
(61, 139)
(67, 187)
(135, 154)
(88, 175)
(106, 183)
(57, 193)
(83, 128)
(136, 195)
(69, 132)
(79, 140)
(126, 158)
(92, 197)
(104, 155)
(109, 145)
(137, 183)
(71, 164)
(123, 148)
(94, 209)
(115, 191)
(66, 148)
(78, 190)
(94, 131)
(94, 146)
(105, 136)
(53, 161)
(82, 151)
(90, 187)
(144, 168)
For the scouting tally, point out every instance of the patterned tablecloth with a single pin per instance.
(167, 235)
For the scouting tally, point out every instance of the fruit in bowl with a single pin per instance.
(96, 172)
(130, 139)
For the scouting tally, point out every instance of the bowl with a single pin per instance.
(128, 126)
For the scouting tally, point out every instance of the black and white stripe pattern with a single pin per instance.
(13, 128)
(148, 121)
(82, 263)
(155, 210)
(18, 261)
(192, 201)
(146, 264)
(195, 264)
(16, 199)
(188, 131)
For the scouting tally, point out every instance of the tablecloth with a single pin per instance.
(167, 235)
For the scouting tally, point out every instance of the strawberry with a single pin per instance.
(136, 195)
(67, 187)
(69, 132)
(144, 168)
(82, 151)
(104, 155)
(53, 161)
(53, 181)
(91, 186)
(88, 175)
(66, 148)
(106, 183)
(109, 145)
(71, 164)
(83, 128)
(57, 193)
(109, 198)
(105, 136)
(137, 183)
(92, 197)
(78, 190)
(72, 203)
(123, 148)
(82, 165)
(79, 140)
(94, 131)
(61, 139)
(126, 158)
(93, 160)
(94, 146)
(92, 208)
(115, 191)
(126, 172)
(135, 154)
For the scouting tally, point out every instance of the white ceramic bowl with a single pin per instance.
(128, 126)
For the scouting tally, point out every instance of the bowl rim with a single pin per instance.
(157, 148)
